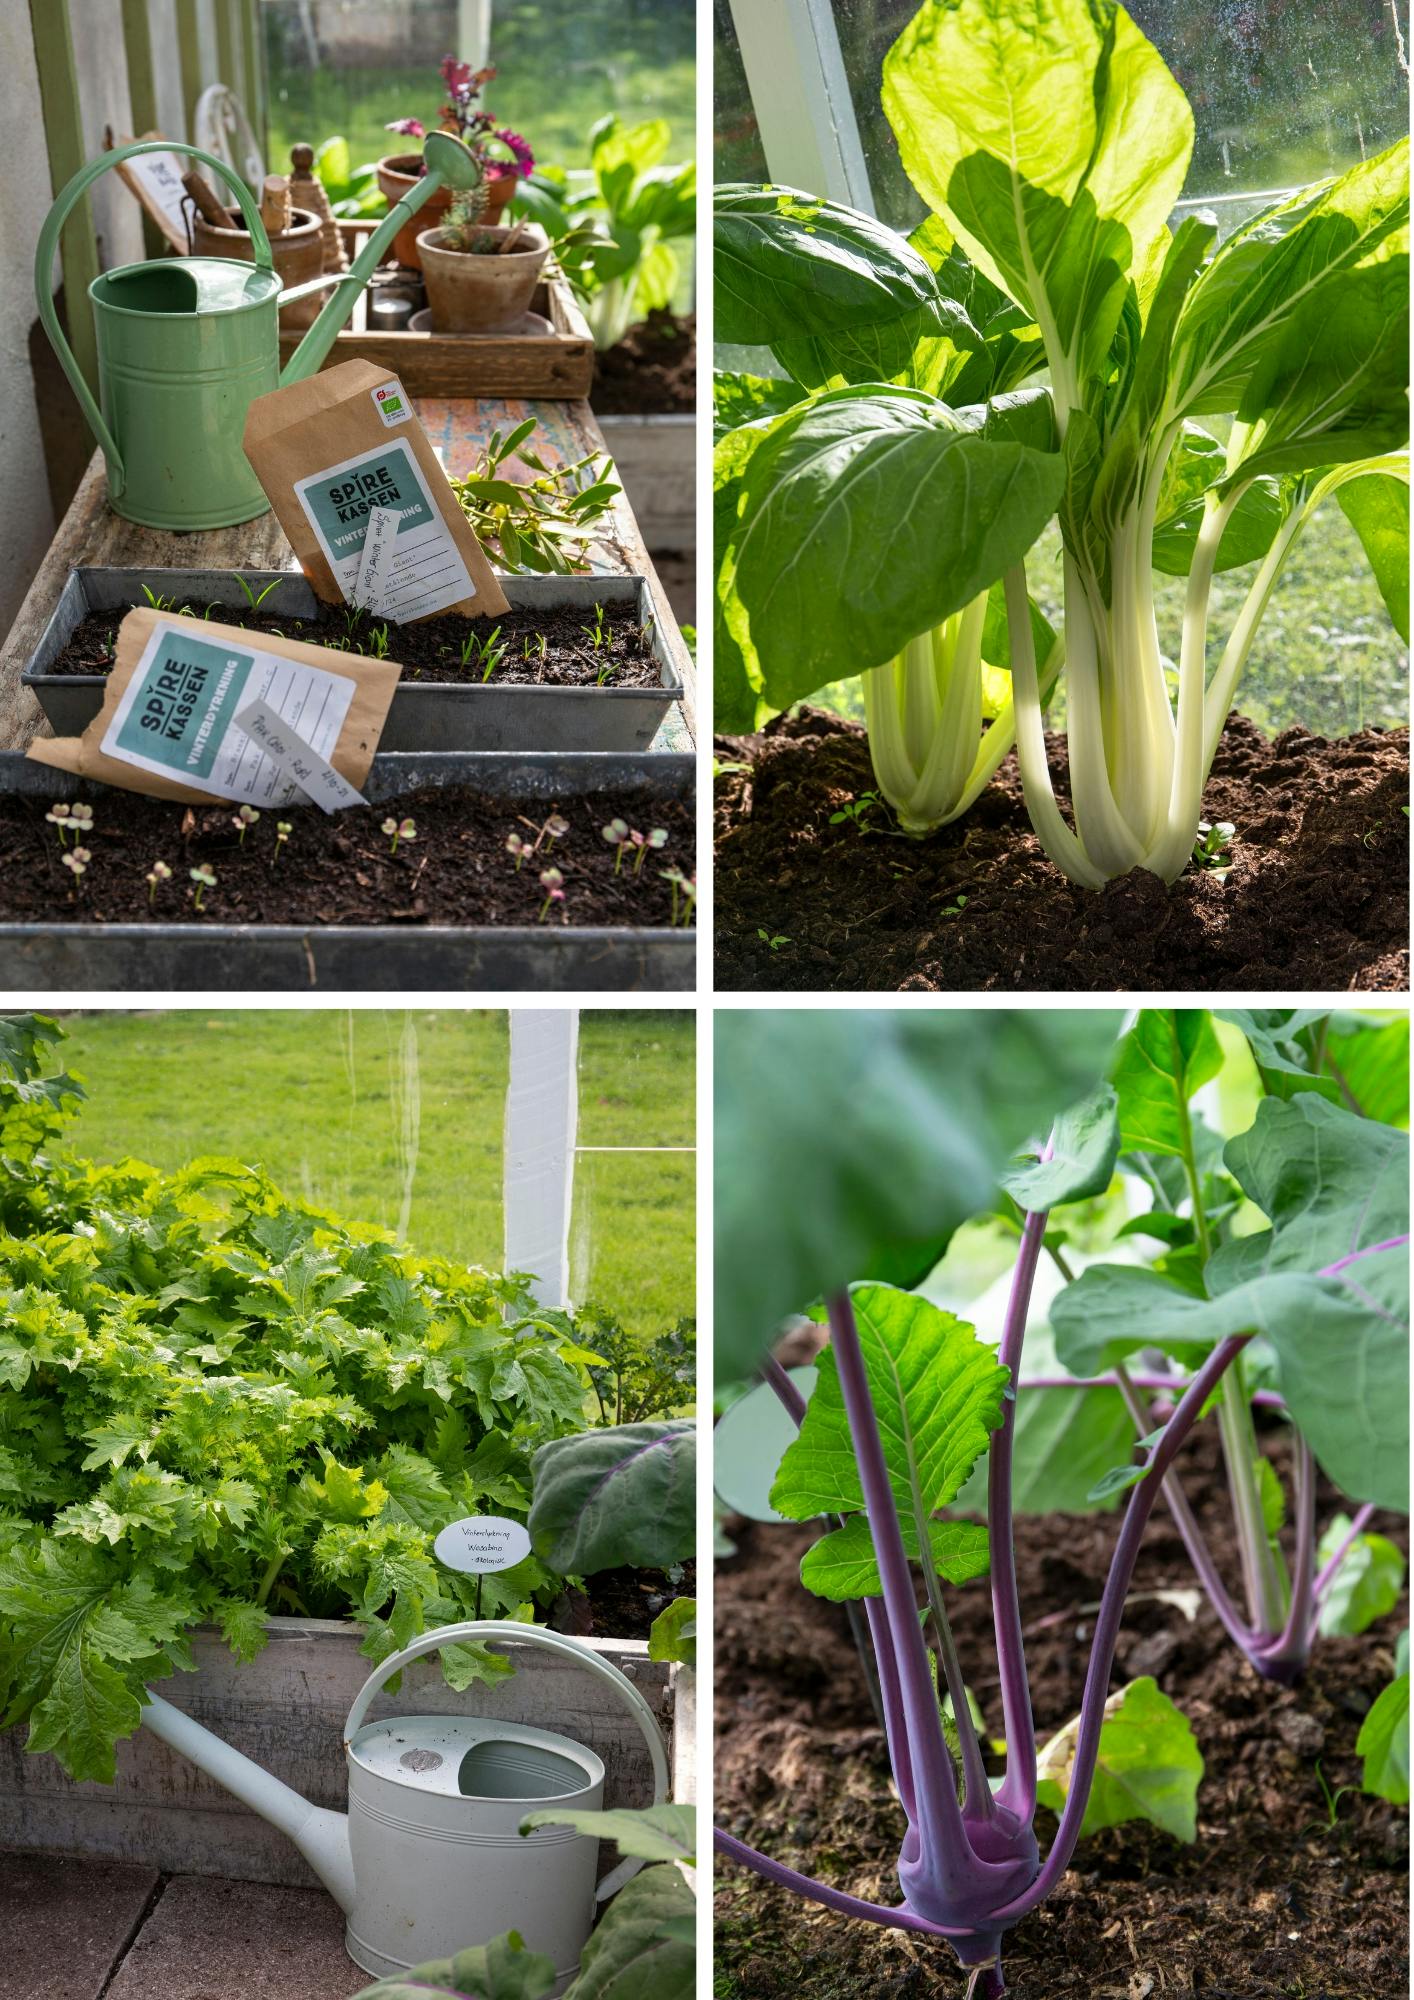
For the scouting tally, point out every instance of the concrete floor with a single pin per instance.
(91, 1930)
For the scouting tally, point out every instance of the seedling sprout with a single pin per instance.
(244, 820)
(77, 860)
(519, 848)
(204, 879)
(399, 829)
(251, 598)
(644, 842)
(552, 882)
(283, 830)
(617, 835)
(156, 876)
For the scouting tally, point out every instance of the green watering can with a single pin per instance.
(186, 344)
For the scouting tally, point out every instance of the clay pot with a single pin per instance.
(470, 292)
(298, 256)
(399, 173)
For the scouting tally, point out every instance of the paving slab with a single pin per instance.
(64, 1924)
(214, 1940)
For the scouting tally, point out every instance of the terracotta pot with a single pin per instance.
(470, 292)
(298, 255)
(400, 172)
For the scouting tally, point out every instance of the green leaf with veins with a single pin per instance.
(1367, 1584)
(1054, 142)
(1168, 1054)
(673, 1633)
(1383, 1742)
(1149, 1765)
(1197, 464)
(1285, 1062)
(1085, 1146)
(743, 399)
(650, 1833)
(1377, 507)
(842, 1564)
(644, 1943)
(937, 1393)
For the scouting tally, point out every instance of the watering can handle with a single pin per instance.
(49, 243)
(555, 1642)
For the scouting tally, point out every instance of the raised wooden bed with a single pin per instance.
(287, 1711)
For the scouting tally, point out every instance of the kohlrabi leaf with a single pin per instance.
(1167, 1055)
(1377, 507)
(650, 1833)
(842, 1564)
(1149, 1765)
(866, 517)
(1085, 1140)
(1053, 141)
(626, 1494)
(937, 1394)
(1367, 1584)
(643, 1943)
(837, 295)
(673, 1633)
(1383, 1742)
(501, 1970)
(1372, 1054)
(852, 1142)
(1282, 1043)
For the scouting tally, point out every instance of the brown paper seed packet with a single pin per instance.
(168, 726)
(330, 450)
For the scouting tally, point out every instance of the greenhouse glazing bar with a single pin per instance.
(809, 134)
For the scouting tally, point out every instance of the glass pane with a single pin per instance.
(736, 140)
(562, 65)
(632, 1240)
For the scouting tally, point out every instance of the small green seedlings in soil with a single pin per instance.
(655, 838)
(772, 943)
(597, 633)
(857, 813)
(77, 860)
(483, 653)
(283, 830)
(1213, 847)
(552, 882)
(167, 604)
(684, 888)
(399, 829)
(616, 833)
(727, 770)
(955, 909)
(75, 819)
(555, 828)
(378, 642)
(251, 598)
(204, 879)
(156, 876)
(244, 820)
(519, 848)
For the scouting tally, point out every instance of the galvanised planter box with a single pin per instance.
(369, 958)
(655, 457)
(425, 715)
(287, 1710)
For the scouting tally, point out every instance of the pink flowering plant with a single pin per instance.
(503, 152)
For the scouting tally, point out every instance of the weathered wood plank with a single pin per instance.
(91, 533)
(287, 1711)
(64, 1925)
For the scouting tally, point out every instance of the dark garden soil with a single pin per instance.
(341, 869)
(431, 650)
(652, 370)
(1316, 898)
(1271, 1900)
(622, 1603)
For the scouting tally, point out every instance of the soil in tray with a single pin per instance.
(622, 1603)
(651, 372)
(1271, 1901)
(1316, 898)
(432, 649)
(341, 869)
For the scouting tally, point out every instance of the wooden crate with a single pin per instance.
(452, 364)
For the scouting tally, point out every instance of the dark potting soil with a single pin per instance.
(341, 869)
(622, 1603)
(432, 649)
(1317, 896)
(652, 371)
(1273, 1901)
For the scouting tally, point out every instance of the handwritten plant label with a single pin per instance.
(481, 1543)
(315, 775)
(156, 180)
(179, 714)
(371, 585)
(426, 572)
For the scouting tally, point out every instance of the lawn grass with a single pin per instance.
(359, 1111)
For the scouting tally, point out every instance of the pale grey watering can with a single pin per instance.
(429, 1858)
(185, 345)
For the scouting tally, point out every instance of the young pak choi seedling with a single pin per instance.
(1203, 398)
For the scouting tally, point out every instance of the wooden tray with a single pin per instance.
(449, 364)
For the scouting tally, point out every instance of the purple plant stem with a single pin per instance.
(1363, 1517)
(1191, 1534)
(938, 1817)
(787, 1395)
(1018, 1788)
(1107, 1624)
(833, 1899)
(1291, 1645)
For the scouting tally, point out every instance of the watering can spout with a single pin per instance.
(321, 1836)
(447, 162)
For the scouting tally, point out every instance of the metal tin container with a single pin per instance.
(425, 715)
(370, 958)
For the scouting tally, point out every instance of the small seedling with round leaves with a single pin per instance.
(552, 882)
(59, 815)
(1212, 849)
(399, 829)
(244, 820)
(519, 848)
(684, 888)
(955, 909)
(772, 943)
(857, 813)
(655, 838)
(77, 860)
(156, 876)
(555, 828)
(204, 879)
(283, 830)
(617, 835)
(81, 817)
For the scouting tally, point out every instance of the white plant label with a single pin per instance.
(315, 776)
(481, 1543)
(426, 572)
(181, 713)
(371, 585)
